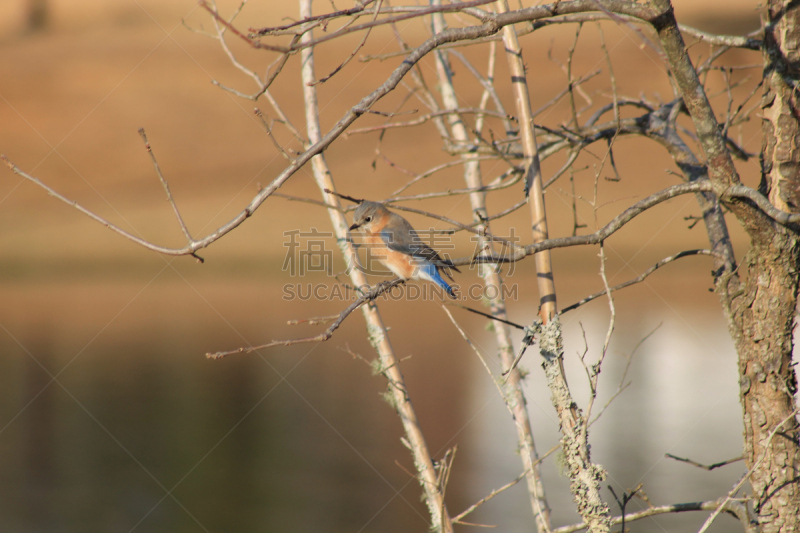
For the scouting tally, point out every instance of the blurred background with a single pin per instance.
(112, 419)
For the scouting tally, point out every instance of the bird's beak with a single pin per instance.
(355, 226)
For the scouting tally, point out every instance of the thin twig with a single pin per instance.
(308, 201)
(166, 186)
(325, 335)
(638, 279)
(495, 492)
(752, 469)
(437, 168)
(425, 118)
(487, 315)
(312, 321)
(491, 187)
(595, 371)
(704, 467)
(622, 384)
(458, 519)
(361, 6)
(736, 509)
(268, 129)
(355, 50)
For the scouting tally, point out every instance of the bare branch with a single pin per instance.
(492, 23)
(425, 118)
(495, 492)
(638, 279)
(325, 335)
(704, 467)
(415, 13)
(255, 44)
(736, 191)
(495, 185)
(355, 50)
(378, 333)
(433, 170)
(360, 7)
(312, 321)
(741, 191)
(734, 508)
(732, 41)
(594, 372)
(622, 384)
(268, 129)
(606, 231)
(309, 201)
(166, 186)
(721, 170)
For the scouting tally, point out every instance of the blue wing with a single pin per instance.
(399, 236)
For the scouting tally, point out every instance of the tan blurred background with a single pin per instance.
(112, 419)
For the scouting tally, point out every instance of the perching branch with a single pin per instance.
(325, 335)
(378, 334)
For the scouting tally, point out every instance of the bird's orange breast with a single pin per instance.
(400, 264)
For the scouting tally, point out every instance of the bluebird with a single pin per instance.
(396, 244)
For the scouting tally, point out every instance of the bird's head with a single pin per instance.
(367, 214)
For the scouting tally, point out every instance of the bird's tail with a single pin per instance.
(443, 284)
(446, 265)
(450, 292)
(431, 272)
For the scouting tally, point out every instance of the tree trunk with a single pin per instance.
(763, 318)
(760, 308)
(763, 312)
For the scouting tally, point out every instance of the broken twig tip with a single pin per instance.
(217, 355)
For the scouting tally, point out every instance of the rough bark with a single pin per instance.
(763, 315)
(761, 308)
(763, 320)
(584, 476)
(780, 153)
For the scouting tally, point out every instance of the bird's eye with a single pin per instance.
(367, 219)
